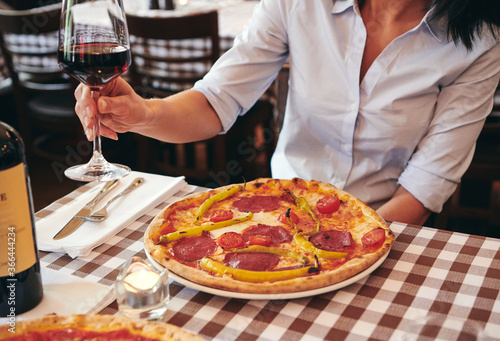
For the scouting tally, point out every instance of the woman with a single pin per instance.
(386, 97)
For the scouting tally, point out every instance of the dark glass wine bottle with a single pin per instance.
(20, 280)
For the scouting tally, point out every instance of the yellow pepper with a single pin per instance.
(301, 203)
(274, 250)
(306, 245)
(216, 198)
(198, 230)
(255, 276)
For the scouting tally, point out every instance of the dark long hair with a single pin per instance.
(466, 18)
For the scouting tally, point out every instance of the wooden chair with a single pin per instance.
(6, 96)
(169, 54)
(5, 80)
(43, 93)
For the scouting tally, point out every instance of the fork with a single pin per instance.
(103, 213)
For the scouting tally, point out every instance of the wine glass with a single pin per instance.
(94, 48)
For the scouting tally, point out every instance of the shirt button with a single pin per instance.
(346, 147)
(338, 185)
(354, 106)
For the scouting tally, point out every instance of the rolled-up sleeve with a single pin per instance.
(445, 153)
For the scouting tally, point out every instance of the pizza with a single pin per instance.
(268, 236)
(93, 327)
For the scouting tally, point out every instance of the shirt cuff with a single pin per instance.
(431, 190)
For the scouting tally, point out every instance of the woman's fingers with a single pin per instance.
(85, 109)
(116, 105)
(122, 112)
(109, 133)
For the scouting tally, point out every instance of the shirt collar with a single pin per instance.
(437, 27)
(340, 6)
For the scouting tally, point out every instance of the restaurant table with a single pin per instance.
(429, 273)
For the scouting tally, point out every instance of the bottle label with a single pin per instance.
(17, 248)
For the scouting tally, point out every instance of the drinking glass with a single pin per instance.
(94, 48)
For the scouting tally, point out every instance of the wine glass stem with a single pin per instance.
(97, 152)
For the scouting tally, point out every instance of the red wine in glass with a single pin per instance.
(94, 48)
(95, 64)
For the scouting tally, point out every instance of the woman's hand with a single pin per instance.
(120, 109)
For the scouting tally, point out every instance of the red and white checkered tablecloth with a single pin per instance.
(428, 272)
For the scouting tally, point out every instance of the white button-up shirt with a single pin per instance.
(412, 121)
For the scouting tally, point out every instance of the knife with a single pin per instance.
(75, 222)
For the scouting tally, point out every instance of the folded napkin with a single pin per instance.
(122, 212)
(65, 294)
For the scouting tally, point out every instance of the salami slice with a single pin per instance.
(278, 234)
(194, 248)
(257, 203)
(252, 261)
(332, 240)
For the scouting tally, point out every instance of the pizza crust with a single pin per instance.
(351, 268)
(101, 323)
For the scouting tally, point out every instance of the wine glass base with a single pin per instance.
(106, 172)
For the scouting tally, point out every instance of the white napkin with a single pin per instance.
(65, 294)
(122, 212)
